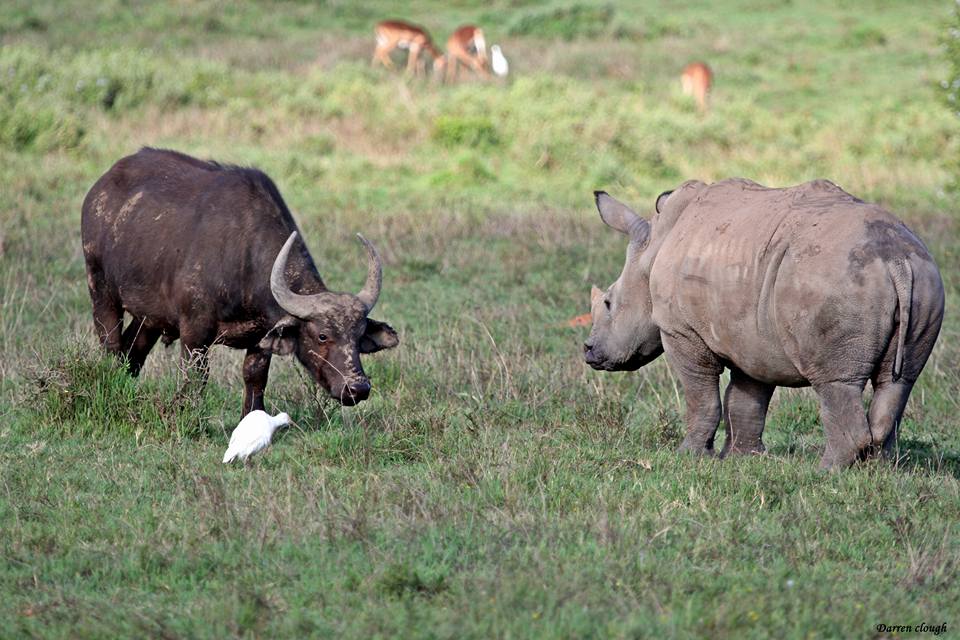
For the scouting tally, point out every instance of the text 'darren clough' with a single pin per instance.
(923, 627)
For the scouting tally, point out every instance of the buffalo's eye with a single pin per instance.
(322, 337)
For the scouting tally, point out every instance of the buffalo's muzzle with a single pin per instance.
(354, 393)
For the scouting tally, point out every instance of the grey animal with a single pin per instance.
(801, 286)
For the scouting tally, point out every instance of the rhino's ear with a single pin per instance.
(619, 216)
(662, 200)
(595, 294)
(281, 340)
(378, 336)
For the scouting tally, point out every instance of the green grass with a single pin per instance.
(493, 485)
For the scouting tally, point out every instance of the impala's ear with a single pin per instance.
(281, 340)
(378, 336)
(619, 216)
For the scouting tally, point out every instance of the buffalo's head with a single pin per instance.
(328, 331)
(624, 336)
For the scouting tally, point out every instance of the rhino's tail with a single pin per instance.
(902, 274)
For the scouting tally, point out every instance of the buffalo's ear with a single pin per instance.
(378, 336)
(281, 340)
(619, 216)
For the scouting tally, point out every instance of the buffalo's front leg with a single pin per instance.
(256, 368)
(744, 412)
(195, 342)
(699, 373)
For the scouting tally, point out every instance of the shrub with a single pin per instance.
(468, 131)
(951, 43)
(565, 23)
(951, 85)
(91, 394)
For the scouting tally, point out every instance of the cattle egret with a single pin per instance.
(498, 61)
(253, 434)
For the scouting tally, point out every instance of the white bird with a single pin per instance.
(498, 61)
(253, 434)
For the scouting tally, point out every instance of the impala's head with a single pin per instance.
(624, 336)
(328, 331)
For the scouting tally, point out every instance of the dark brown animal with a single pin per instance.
(209, 253)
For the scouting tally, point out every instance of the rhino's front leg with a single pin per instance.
(699, 373)
(745, 405)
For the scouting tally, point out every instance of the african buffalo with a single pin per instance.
(209, 253)
(802, 286)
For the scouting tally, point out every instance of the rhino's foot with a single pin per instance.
(743, 449)
(837, 459)
(697, 448)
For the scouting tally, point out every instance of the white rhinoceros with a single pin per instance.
(802, 286)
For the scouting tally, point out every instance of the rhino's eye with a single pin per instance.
(322, 337)
(606, 303)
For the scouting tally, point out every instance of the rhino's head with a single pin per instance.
(328, 331)
(624, 336)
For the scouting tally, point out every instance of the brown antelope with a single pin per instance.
(696, 81)
(467, 46)
(394, 34)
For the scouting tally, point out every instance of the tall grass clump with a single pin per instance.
(565, 23)
(951, 85)
(79, 393)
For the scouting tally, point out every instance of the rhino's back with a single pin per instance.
(764, 276)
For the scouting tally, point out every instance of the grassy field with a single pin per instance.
(493, 485)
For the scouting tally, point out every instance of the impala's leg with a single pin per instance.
(451, 66)
(479, 67)
(256, 368)
(382, 55)
(412, 59)
(744, 411)
(699, 373)
(844, 422)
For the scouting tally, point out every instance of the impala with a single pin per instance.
(696, 81)
(394, 34)
(467, 46)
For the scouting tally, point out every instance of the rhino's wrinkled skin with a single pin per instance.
(802, 286)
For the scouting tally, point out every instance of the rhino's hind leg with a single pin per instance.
(845, 423)
(745, 405)
(886, 410)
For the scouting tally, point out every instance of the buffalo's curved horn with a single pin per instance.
(371, 289)
(293, 303)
